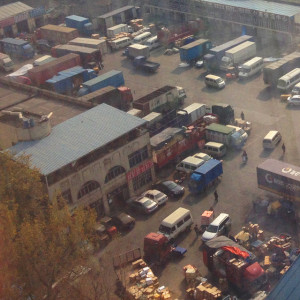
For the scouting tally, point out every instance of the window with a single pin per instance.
(138, 156)
(67, 196)
(87, 188)
(180, 223)
(142, 180)
(187, 218)
(113, 173)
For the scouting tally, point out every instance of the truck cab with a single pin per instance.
(6, 63)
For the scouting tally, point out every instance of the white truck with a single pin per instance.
(113, 31)
(6, 63)
(137, 50)
(238, 55)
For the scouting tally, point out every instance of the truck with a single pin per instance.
(237, 55)
(112, 78)
(190, 114)
(100, 44)
(120, 97)
(17, 48)
(141, 62)
(161, 100)
(193, 51)
(224, 112)
(137, 50)
(87, 55)
(225, 258)
(212, 60)
(83, 25)
(56, 34)
(39, 75)
(6, 63)
(113, 31)
(225, 135)
(279, 178)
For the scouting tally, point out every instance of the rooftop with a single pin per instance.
(116, 11)
(13, 9)
(77, 137)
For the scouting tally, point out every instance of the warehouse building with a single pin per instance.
(18, 17)
(98, 158)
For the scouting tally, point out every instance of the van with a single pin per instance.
(141, 38)
(120, 43)
(241, 131)
(214, 81)
(296, 89)
(214, 149)
(271, 139)
(152, 43)
(189, 164)
(219, 226)
(179, 221)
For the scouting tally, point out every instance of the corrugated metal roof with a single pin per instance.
(77, 18)
(13, 9)
(102, 77)
(87, 41)
(116, 11)
(288, 288)
(260, 5)
(195, 43)
(77, 137)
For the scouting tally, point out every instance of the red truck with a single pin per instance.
(38, 75)
(227, 259)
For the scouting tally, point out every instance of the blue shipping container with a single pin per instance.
(83, 25)
(194, 50)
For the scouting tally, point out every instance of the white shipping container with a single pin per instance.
(112, 31)
(195, 111)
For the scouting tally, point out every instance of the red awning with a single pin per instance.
(236, 250)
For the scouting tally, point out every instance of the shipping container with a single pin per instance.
(90, 43)
(83, 25)
(40, 74)
(194, 50)
(58, 34)
(191, 113)
(112, 31)
(16, 48)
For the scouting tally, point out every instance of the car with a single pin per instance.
(293, 100)
(143, 205)
(199, 64)
(184, 65)
(157, 196)
(123, 221)
(43, 46)
(171, 188)
(203, 156)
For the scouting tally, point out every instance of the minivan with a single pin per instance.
(215, 149)
(178, 221)
(271, 139)
(242, 132)
(214, 81)
(189, 164)
(120, 43)
(219, 226)
(142, 38)
(152, 43)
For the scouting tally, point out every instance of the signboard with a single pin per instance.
(21, 17)
(7, 22)
(37, 12)
(139, 170)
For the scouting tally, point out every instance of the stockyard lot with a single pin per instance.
(237, 187)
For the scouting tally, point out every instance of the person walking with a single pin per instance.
(216, 196)
(242, 115)
(283, 148)
(197, 231)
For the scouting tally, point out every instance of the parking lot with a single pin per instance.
(238, 186)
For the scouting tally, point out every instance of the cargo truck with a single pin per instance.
(6, 63)
(193, 51)
(17, 48)
(90, 43)
(56, 34)
(190, 114)
(224, 112)
(226, 259)
(141, 62)
(137, 50)
(38, 75)
(83, 25)
(112, 78)
(280, 178)
(113, 31)
(237, 55)
(212, 60)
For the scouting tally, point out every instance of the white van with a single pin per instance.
(219, 226)
(215, 149)
(296, 89)
(288, 80)
(189, 164)
(142, 38)
(251, 67)
(152, 43)
(120, 43)
(178, 221)
(271, 139)
(241, 131)
(214, 81)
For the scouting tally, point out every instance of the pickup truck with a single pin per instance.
(140, 62)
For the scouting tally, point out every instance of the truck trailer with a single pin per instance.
(16, 48)
(137, 50)
(99, 44)
(192, 51)
(57, 34)
(83, 25)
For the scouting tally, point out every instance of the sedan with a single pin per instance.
(157, 196)
(199, 64)
(171, 188)
(123, 221)
(293, 100)
(143, 204)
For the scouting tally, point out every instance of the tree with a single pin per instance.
(41, 241)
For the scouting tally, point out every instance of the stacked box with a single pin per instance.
(207, 291)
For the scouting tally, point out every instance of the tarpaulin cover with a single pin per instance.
(236, 251)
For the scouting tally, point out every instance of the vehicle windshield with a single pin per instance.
(281, 83)
(171, 185)
(164, 229)
(212, 228)
(245, 70)
(219, 80)
(159, 195)
(147, 203)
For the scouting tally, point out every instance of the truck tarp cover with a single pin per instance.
(254, 271)
(211, 169)
(236, 250)
(223, 241)
(280, 178)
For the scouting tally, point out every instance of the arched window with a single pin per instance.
(87, 188)
(113, 173)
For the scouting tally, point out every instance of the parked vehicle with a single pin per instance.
(112, 78)
(157, 196)
(99, 44)
(83, 25)
(120, 43)
(114, 30)
(214, 81)
(170, 188)
(140, 62)
(190, 114)
(251, 67)
(212, 60)
(224, 112)
(238, 55)
(142, 38)
(152, 43)
(189, 164)
(216, 150)
(205, 175)
(296, 90)
(241, 131)
(17, 48)
(57, 34)
(43, 46)
(293, 100)
(287, 81)
(42, 60)
(6, 63)
(271, 140)
(142, 205)
(203, 156)
(199, 64)
(123, 221)
(193, 51)
(137, 50)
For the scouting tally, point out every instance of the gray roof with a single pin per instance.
(77, 137)
(260, 5)
(13, 9)
(116, 11)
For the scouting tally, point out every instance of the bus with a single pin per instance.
(152, 43)
(251, 67)
(288, 80)
(120, 43)
(141, 38)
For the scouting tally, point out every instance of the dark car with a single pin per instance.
(123, 221)
(170, 188)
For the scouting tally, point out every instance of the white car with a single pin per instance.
(157, 196)
(143, 205)
(203, 156)
(293, 100)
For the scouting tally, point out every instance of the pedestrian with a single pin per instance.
(283, 148)
(197, 231)
(216, 196)
(242, 115)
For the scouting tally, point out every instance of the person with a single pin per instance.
(283, 148)
(242, 115)
(197, 230)
(245, 156)
(216, 196)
